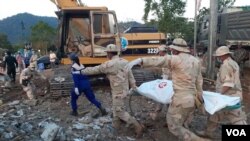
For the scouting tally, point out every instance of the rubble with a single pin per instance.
(22, 120)
(50, 132)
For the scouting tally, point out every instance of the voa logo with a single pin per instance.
(236, 132)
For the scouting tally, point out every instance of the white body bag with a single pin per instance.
(162, 91)
(158, 90)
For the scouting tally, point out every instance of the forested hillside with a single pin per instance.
(17, 28)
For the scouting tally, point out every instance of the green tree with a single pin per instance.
(221, 4)
(42, 36)
(166, 13)
(225, 3)
(4, 42)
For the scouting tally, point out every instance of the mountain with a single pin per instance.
(18, 27)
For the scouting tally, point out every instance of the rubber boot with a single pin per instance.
(74, 113)
(103, 111)
(116, 123)
(139, 130)
(205, 134)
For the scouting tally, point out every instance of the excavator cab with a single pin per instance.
(86, 31)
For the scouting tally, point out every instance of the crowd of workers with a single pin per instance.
(179, 65)
(25, 64)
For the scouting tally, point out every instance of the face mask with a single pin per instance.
(218, 60)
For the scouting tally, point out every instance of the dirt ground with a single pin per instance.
(99, 128)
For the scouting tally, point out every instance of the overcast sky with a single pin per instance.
(126, 10)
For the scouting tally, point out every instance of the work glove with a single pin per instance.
(132, 91)
(130, 65)
(77, 91)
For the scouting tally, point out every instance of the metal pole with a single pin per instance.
(195, 28)
(212, 37)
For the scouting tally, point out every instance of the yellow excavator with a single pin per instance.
(88, 30)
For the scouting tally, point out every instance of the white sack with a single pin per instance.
(158, 90)
(214, 102)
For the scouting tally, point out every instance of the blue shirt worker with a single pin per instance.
(81, 85)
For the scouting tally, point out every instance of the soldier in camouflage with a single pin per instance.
(120, 80)
(187, 83)
(162, 51)
(227, 83)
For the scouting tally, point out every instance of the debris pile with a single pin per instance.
(22, 121)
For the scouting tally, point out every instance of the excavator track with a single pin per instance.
(61, 83)
(142, 75)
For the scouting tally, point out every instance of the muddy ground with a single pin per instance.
(23, 121)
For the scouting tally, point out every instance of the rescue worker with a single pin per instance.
(27, 55)
(20, 61)
(52, 58)
(227, 83)
(26, 77)
(11, 64)
(162, 51)
(33, 58)
(187, 83)
(81, 85)
(120, 80)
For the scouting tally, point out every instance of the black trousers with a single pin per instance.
(12, 74)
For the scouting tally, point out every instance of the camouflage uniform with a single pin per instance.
(28, 74)
(33, 59)
(120, 79)
(187, 82)
(228, 75)
(166, 74)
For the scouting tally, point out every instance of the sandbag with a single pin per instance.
(159, 90)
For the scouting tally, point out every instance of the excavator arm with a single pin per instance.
(67, 3)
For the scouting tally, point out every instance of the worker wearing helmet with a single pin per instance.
(227, 83)
(81, 85)
(120, 79)
(33, 58)
(187, 83)
(26, 77)
(162, 51)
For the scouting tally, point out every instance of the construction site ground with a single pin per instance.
(20, 120)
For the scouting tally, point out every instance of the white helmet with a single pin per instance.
(112, 48)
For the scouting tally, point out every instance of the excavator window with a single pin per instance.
(104, 24)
